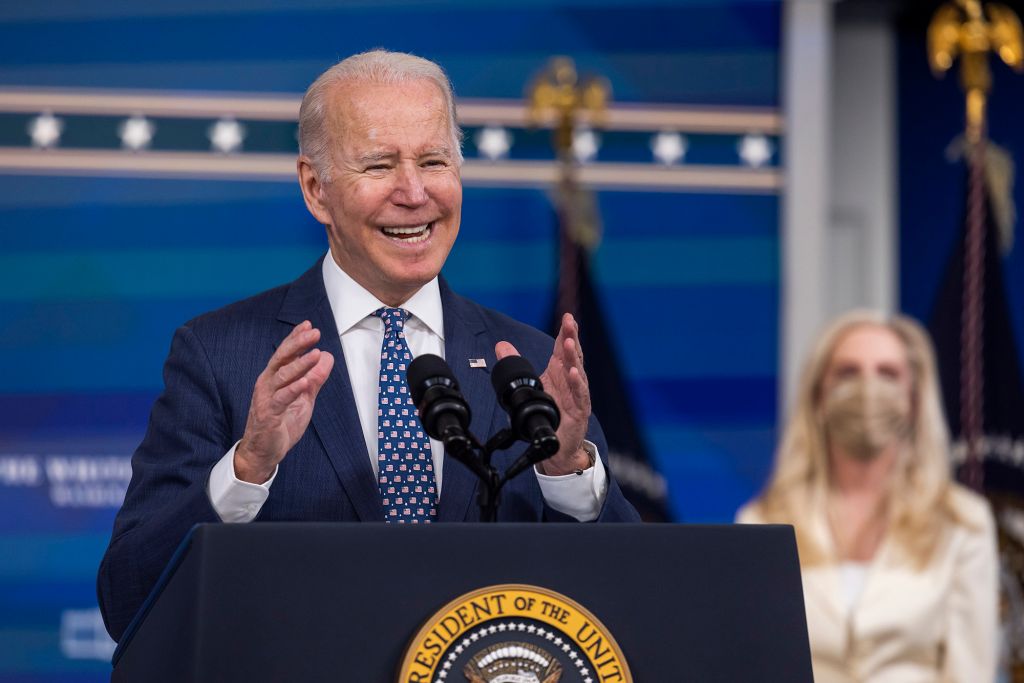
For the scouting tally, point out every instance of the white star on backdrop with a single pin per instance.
(668, 148)
(45, 130)
(226, 136)
(494, 142)
(755, 150)
(585, 144)
(136, 133)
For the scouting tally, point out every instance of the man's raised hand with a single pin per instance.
(282, 403)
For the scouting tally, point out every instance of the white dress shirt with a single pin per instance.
(362, 334)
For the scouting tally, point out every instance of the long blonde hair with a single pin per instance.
(920, 506)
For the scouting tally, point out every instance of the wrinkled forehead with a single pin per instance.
(362, 114)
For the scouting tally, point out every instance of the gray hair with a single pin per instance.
(376, 66)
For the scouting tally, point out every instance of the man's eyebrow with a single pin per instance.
(437, 152)
(378, 155)
(385, 155)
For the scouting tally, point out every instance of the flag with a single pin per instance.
(982, 389)
(579, 229)
(997, 438)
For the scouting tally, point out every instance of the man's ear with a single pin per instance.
(312, 190)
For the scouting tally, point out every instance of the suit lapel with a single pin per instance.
(464, 338)
(335, 419)
(830, 593)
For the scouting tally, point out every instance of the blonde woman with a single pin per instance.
(899, 563)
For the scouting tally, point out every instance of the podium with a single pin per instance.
(341, 602)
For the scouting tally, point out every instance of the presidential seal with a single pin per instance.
(513, 633)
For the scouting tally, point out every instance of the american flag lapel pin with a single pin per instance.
(478, 362)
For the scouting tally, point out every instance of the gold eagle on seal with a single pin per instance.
(513, 663)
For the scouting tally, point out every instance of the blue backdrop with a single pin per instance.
(99, 262)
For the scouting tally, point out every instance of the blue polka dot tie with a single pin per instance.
(405, 469)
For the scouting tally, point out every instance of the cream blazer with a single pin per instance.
(938, 624)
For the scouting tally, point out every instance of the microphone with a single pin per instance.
(533, 413)
(443, 411)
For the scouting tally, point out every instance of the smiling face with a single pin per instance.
(393, 204)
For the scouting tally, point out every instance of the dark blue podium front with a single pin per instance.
(340, 602)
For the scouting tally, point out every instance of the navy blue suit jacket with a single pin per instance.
(209, 377)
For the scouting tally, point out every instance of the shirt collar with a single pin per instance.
(351, 303)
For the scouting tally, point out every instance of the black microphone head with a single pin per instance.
(425, 368)
(521, 395)
(512, 371)
(443, 411)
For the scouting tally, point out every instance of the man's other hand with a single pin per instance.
(566, 381)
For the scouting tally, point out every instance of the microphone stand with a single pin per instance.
(491, 480)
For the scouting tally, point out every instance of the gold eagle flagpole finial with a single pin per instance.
(558, 94)
(962, 29)
(558, 97)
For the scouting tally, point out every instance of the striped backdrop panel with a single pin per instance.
(99, 266)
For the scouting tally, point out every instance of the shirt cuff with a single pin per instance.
(235, 500)
(577, 495)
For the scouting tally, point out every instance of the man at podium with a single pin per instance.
(293, 404)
